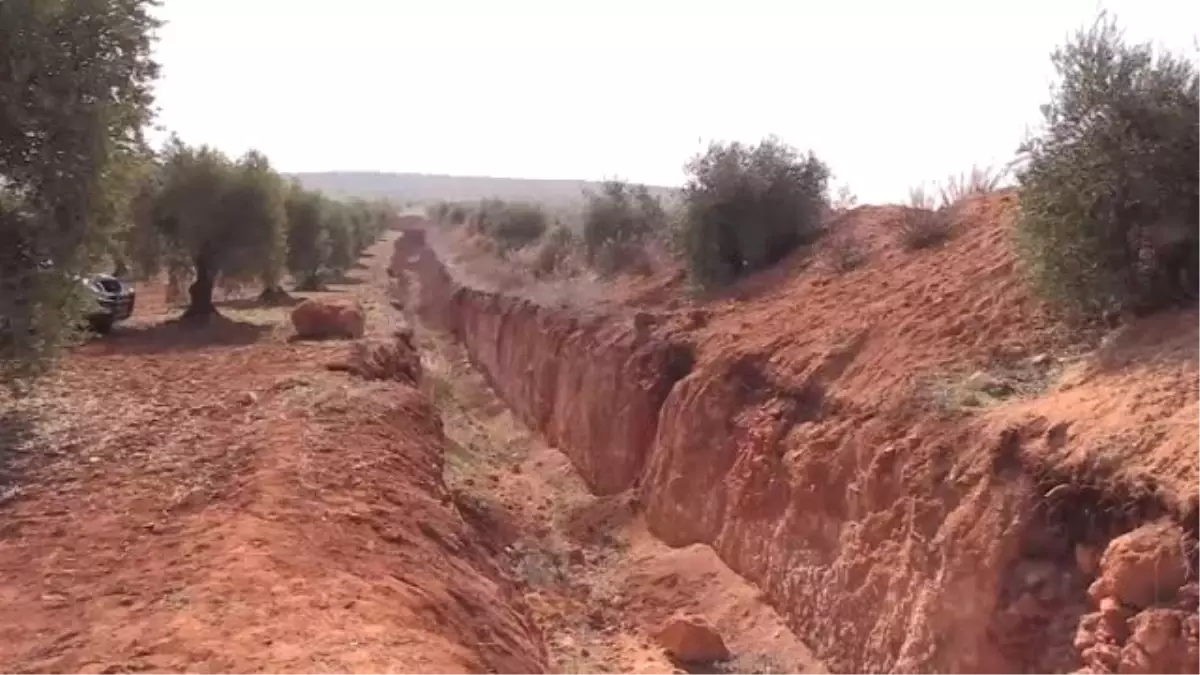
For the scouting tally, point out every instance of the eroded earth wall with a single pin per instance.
(892, 538)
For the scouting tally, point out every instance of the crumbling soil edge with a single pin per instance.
(983, 562)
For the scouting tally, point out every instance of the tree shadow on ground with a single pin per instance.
(17, 427)
(243, 304)
(182, 335)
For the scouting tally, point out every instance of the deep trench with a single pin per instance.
(1070, 509)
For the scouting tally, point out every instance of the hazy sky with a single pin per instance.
(888, 93)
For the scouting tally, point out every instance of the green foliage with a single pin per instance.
(1109, 191)
(307, 241)
(616, 223)
(512, 225)
(557, 249)
(75, 93)
(325, 236)
(255, 200)
(746, 207)
(214, 216)
(340, 236)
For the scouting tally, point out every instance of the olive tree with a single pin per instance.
(617, 221)
(223, 218)
(1109, 202)
(75, 94)
(746, 207)
(307, 241)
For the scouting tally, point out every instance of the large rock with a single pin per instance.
(690, 639)
(1142, 567)
(316, 319)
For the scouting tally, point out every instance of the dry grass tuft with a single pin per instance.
(977, 181)
(844, 252)
(926, 224)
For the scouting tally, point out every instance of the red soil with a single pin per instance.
(821, 432)
(215, 500)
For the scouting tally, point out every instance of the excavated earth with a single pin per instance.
(213, 498)
(918, 466)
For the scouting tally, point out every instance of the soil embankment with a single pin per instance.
(182, 498)
(920, 470)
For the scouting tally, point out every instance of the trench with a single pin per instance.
(899, 555)
(596, 581)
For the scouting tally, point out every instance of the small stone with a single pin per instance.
(1087, 559)
(575, 556)
(248, 398)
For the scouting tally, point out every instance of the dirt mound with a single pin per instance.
(231, 506)
(382, 359)
(316, 319)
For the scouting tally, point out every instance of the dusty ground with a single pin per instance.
(597, 582)
(183, 499)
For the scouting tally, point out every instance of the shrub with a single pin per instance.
(746, 207)
(1109, 203)
(844, 201)
(616, 223)
(924, 224)
(844, 252)
(556, 251)
(512, 225)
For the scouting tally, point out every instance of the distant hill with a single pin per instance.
(420, 187)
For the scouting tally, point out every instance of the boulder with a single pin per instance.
(1142, 567)
(691, 639)
(316, 319)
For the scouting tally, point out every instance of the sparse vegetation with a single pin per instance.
(977, 181)
(617, 221)
(844, 251)
(844, 200)
(556, 251)
(512, 225)
(925, 224)
(1109, 206)
(746, 207)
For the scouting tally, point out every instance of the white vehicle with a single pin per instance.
(114, 300)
